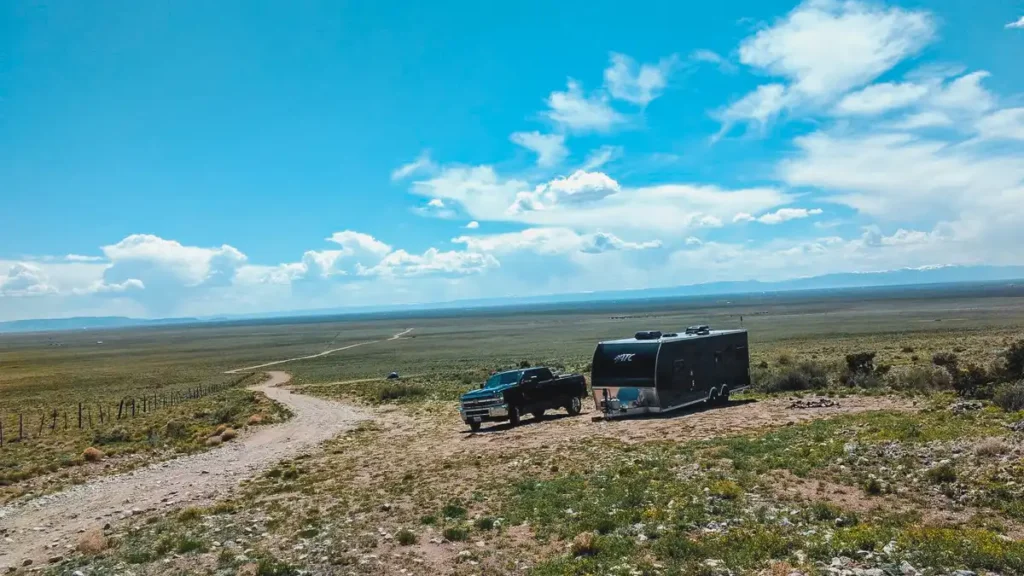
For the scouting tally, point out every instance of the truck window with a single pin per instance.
(543, 374)
(630, 364)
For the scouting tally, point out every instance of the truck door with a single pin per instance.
(535, 386)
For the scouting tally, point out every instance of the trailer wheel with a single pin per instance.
(513, 415)
(575, 406)
(538, 414)
(474, 426)
(723, 398)
(712, 398)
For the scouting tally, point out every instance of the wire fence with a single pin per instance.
(23, 426)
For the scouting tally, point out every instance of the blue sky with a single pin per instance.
(193, 158)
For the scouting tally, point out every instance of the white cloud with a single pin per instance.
(929, 119)
(473, 225)
(784, 214)
(898, 176)
(478, 189)
(713, 57)
(694, 241)
(154, 261)
(26, 279)
(357, 243)
(827, 47)
(600, 157)
(1006, 124)
(965, 94)
(433, 261)
(101, 287)
(1019, 23)
(575, 111)
(436, 203)
(421, 164)
(81, 258)
(637, 85)
(760, 107)
(879, 98)
(777, 217)
(551, 241)
(550, 148)
(580, 187)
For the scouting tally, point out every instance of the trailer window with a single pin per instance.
(625, 364)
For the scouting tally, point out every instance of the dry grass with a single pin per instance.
(92, 542)
(214, 441)
(991, 447)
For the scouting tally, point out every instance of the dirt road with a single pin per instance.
(317, 355)
(47, 526)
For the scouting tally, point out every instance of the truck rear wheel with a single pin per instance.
(575, 406)
(513, 415)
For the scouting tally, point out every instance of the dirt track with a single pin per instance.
(47, 526)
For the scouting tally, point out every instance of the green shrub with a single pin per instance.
(726, 489)
(942, 474)
(806, 376)
(456, 534)
(1013, 359)
(405, 537)
(1010, 397)
(484, 523)
(923, 379)
(112, 436)
(453, 510)
(399, 391)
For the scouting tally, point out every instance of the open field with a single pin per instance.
(889, 476)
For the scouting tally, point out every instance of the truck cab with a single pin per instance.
(506, 396)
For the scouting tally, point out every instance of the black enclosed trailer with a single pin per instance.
(654, 372)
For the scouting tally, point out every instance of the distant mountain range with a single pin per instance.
(903, 277)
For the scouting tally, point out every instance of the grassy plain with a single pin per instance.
(753, 488)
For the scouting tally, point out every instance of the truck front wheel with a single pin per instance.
(513, 415)
(474, 426)
(575, 406)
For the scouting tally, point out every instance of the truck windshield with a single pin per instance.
(503, 379)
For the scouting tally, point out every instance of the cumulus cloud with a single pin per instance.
(573, 110)
(1019, 23)
(156, 261)
(784, 214)
(638, 85)
(580, 187)
(549, 148)
(81, 258)
(25, 279)
(551, 241)
(433, 261)
(473, 225)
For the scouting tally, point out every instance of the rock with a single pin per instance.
(964, 573)
(250, 569)
(385, 507)
(813, 403)
(907, 569)
(27, 562)
(1017, 426)
(55, 559)
(78, 573)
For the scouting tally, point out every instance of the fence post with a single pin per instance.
(53, 424)
(1, 431)
(120, 408)
(79, 415)
(65, 419)
(42, 421)
(21, 428)
(133, 407)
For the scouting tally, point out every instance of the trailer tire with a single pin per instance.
(575, 406)
(538, 414)
(712, 399)
(723, 398)
(513, 415)
(474, 426)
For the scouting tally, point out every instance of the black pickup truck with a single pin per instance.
(508, 395)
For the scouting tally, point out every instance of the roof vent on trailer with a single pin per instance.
(699, 330)
(648, 335)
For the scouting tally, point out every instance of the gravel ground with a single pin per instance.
(47, 527)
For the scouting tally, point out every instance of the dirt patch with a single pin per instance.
(195, 480)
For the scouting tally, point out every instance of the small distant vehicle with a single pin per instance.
(654, 372)
(506, 396)
(393, 376)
